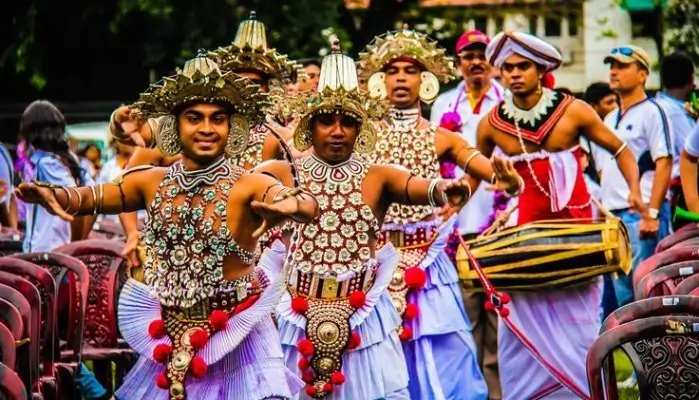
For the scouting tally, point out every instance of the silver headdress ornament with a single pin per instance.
(202, 81)
(249, 52)
(339, 92)
(409, 45)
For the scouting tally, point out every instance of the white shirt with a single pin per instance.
(476, 212)
(691, 144)
(645, 129)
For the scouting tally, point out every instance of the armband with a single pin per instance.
(619, 150)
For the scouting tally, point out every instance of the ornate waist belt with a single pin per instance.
(189, 329)
(327, 306)
(316, 287)
(402, 240)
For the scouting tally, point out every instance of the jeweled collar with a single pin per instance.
(404, 119)
(534, 114)
(320, 170)
(205, 176)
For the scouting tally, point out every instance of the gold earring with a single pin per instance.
(238, 135)
(429, 87)
(366, 140)
(302, 134)
(377, 85)
(167, 138)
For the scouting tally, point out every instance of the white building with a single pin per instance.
(584, 32)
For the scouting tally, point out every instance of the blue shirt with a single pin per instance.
(46, 232)
(681, 125)
(691, 145)
(7, 173)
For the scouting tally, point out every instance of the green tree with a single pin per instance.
(682, 27)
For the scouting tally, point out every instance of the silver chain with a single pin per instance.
(536, 180)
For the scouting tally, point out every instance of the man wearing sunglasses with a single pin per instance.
(643, 125)
(460, 110)
(542, 345)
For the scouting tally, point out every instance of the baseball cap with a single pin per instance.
(470, 38)
(628, 54)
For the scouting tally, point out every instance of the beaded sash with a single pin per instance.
(416, 151)
(333, 268)
(190, 328)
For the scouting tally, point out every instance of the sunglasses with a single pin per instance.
(624, 51)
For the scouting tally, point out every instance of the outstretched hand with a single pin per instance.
(458, 192)
(44, 196)
(271, 212)
(506, 177)
(129, 125)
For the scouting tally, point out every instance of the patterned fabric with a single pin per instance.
(184, 259)
(415, 150)
(252, 156)
(339, 240)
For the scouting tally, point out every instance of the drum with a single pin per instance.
(546, 254)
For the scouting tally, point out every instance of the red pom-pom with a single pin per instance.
(489, 306)
(415, 278)
(406, 334)
(411, 311)
(162, 381)
(299, 305)
(307, 376)
(504, 312)
(303, 364)
(198, 367)
(218, 320)
(311, 390)
(354, 341)
(156, 329)
(337, 378)
(198, 338)
(162, 352)
(305, 347)
(548, 81)
(505, 298)
(327, 388)
(357, 299)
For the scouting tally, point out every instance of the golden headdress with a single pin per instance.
(410, 45)
(249, 51)
(202, 81)
(339, 92)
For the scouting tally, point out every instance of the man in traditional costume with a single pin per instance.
(406, 67)
(249, 56)
(201, 322)
(337, 322)
(543, 346)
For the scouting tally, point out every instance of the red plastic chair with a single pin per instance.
(11, 384)
(12, 319)
(663, 281)
(659, 260)
(27, 349)
(687, 286)
(8, 351)
(683, 234)
(663, 351)
(101, 341)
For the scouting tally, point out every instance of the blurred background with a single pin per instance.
(90, 56)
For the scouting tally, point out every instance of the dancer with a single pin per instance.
(201, 322)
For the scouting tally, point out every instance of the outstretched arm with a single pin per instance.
(126, 194)
(688, 176)
(402, 187)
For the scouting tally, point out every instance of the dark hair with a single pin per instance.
(43, 127)
(83, 152)
(676, 70)
(309, 61)
(565, 90)
(596, 92)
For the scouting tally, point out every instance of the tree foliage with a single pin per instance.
(682, 24)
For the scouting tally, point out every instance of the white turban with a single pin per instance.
(505, 44)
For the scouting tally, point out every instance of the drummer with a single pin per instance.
(540, 129)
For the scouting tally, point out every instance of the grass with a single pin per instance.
(623, 371)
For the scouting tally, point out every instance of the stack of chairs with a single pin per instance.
(58, 310)
(659, 331)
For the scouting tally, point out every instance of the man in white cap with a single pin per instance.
(459, 110)
(540, 129)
